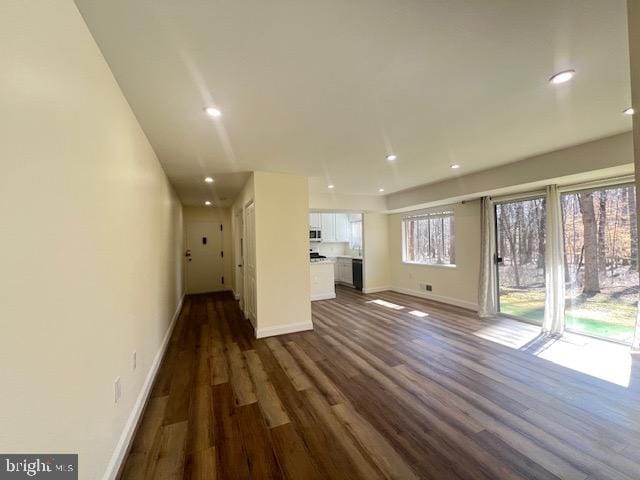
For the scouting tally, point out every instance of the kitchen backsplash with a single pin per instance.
(330, 249)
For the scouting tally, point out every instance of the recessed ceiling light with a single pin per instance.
(330, 186)
(629, 111)
(208, 179)
(455, 166)
(381, 190)
(213, 112)
(562, 77)
(207, 203)
(391, 157)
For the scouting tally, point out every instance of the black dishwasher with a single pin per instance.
(356, 266)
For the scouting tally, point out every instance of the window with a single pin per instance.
(601, 282)
(601, 266)
(429, 239)
(355, 235)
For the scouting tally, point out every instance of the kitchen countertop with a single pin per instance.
(323, 260)
(352, 257)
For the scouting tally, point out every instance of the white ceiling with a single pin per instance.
(327, 88)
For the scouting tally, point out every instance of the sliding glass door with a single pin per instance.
(520, 227)
(601, 271)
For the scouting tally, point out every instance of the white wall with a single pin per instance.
(603, 158)
(282, 252)
(283, 291)
(457, 285)
(376, 265)
(91, 240)
(340, 202)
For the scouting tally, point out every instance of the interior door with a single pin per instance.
(239, 247)
(520, 247)
(250, 263)
(203, 257)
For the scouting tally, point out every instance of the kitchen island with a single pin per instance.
(322, 279)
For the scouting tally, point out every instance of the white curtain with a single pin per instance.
(487, 291)
(554, 265)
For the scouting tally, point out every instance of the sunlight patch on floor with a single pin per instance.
(384, 303)
(605, 360)
(418, 313)
(597, 358)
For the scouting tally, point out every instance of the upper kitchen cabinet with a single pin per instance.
(341, 227)
(314, 221)
(328, 226)
(334, 226)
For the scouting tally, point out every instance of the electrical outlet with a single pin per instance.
(135, 360)
(117, 390)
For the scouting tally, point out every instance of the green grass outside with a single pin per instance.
(599, 315)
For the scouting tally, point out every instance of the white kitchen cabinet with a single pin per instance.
(314, 221)
(328, 227)
(322, 281)
(344, 271)
(341, 227)
(347, 276)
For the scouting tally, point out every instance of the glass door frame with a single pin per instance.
(496, 258)
(619, 182)
(575, 189)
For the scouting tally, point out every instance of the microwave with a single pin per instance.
(315, 235)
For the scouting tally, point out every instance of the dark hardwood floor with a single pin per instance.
(375, 392)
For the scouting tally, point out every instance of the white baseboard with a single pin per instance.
(323, 296)
(375, 289)
(122, 447)
(437, 298)
(283, 329)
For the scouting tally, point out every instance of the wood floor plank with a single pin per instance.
(170, 463)
(231, 459)
(293, 456)
(386, 386)
(201, 420)
(218, 366)
(150, 425)
(298, 378)
(322, 382)
(364, 465)
(201, 465)
(258, 446)
(267, 397)
(177, 409)
(385, 457)
(240, 379)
